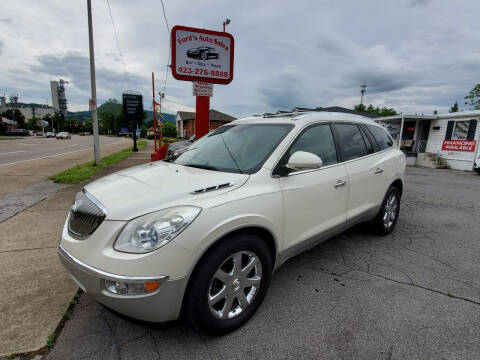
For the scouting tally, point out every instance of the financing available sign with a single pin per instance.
(459, 145)
(202, 55)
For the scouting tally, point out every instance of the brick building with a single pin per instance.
(186, 122)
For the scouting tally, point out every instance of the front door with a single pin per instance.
(314, 200)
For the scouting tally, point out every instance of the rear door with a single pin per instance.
(315, 201)
(365, 173)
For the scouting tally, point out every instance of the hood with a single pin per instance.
(149, 187)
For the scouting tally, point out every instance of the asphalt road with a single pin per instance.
(414, 294)
(32, 147)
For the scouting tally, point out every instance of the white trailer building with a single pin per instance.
(439, 141)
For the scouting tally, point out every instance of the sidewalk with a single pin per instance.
(36, 290)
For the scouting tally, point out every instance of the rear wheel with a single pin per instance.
(229, 284)
(387, 217)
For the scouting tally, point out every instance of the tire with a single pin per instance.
(223, 313)
(387, 217)
(204, 56)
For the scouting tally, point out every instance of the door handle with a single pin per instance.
(340, 183)
(378, 171)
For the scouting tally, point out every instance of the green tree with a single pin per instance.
(435, 112)
(473, 98)
(48, 118)
(454, 108)
(169, 130)
(32, 124)
(110, 112)
(143, 131)
(371, 109)
(16, 115)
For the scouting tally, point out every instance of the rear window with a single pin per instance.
(381, 136)
(351, 141)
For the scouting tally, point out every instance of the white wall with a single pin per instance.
(459, 160)
(179, 125)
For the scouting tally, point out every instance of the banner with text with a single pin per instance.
(459, 145)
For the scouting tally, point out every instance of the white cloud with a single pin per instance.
(409, 52)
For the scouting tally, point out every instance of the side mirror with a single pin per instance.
(302, 160)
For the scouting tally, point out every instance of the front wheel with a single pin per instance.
(387, 217)
(229, 284)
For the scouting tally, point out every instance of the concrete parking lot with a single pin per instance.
(414, 294)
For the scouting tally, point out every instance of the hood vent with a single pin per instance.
(211, 188)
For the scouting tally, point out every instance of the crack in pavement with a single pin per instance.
(35, 248)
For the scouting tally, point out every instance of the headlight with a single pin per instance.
(150, 232)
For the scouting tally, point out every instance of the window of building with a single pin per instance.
(460, 130)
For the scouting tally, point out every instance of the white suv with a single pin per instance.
(202, 234)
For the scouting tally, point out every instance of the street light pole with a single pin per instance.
(96, 142)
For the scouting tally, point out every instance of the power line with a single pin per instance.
(169, 48)
(118, 44)
(165, 17)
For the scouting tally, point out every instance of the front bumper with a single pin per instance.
(163, 304)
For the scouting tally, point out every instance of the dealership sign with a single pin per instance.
(459, 145)
(132, 108)
(202, 55)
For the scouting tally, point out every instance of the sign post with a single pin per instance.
(206, 56)
(133, 113)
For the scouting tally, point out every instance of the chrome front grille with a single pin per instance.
(86, 215)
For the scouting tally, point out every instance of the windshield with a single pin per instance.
(239, 148)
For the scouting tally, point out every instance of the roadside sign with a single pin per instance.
(92, 104)
(133, 108)
(202, 55)
(202, 89)
(459, 145)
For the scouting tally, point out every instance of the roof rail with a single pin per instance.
(295, 111)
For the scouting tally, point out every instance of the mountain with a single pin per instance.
(84, 115)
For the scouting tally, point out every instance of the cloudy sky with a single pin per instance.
(415, 55)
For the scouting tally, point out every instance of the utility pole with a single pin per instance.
(93, 100)
(363, 90)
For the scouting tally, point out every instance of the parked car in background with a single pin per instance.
(17, 132)
(203, 234)
(476, 166)
(38, 133)
(86, 133)
(63, 135)
(50, 134)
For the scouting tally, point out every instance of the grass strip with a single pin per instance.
(10, 137)
(84, 171)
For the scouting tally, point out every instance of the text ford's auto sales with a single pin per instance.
(202, 55)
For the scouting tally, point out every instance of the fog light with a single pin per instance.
(124, 288)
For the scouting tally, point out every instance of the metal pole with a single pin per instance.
(154, 114)
(401, 133)
(96, 142)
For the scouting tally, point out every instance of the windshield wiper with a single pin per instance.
(202, 166)
(229, 153)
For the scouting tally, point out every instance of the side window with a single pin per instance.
(383, 140)
(369, 145)
(351, 141)
(319, 141)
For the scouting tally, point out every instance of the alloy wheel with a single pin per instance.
(390, 212)
(235, 285)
